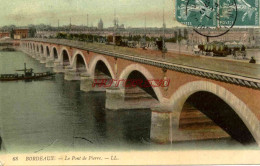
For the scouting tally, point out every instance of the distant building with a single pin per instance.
(46, 34)
(116, 22)
(241, 35)
(21, 33)
(4, 34)
(122, 26)
(100, 24)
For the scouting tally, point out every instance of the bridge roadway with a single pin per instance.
(236, 83)
(189, 61)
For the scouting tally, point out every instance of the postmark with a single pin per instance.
(209, 14)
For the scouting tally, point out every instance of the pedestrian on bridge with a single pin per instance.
(252, 60)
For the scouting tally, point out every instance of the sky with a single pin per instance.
(131, 13)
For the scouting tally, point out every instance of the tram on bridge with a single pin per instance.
(223, 49)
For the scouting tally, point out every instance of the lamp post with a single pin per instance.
(179, 33)
(163, 39)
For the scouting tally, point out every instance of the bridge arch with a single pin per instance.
(93, 63)
(54, 53)
(141, 69)
(78, 61)
(42, 50)
(48, 53)
(38, 50)
(239, 108)
(65, 57)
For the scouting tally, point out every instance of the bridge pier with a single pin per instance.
(29, 52)
(38, 57)
(73, 74)
(33, 55)
(49, 62)
(43, 60)
(58, 67)
(88, 81)
(161, 126)
(115, 98)
(169, 126)
(134, 98)
(165, 127)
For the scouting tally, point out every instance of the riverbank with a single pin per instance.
(9, 45)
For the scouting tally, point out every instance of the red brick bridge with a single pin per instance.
(206, 98)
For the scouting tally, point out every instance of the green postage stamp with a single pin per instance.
(217, 13)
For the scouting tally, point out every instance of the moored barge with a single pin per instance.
(28, 74)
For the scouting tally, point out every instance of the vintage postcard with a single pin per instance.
(129, 82)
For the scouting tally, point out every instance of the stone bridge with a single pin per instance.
(206, 98)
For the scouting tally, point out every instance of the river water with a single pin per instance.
(54, 115)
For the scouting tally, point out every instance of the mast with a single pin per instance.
(87, 20)
(70, 24)
(24, 68)
(145, 26)
(115, 20)
(58, 25)
(115, 26)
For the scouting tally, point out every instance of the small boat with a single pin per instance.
(28, 75)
